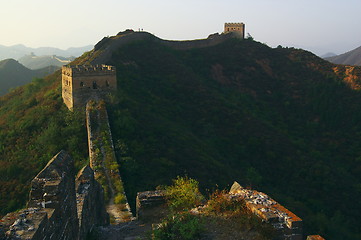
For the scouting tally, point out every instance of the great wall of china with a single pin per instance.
(63, 207)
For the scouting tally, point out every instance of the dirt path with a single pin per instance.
(125, 231)
(98, 135)
(118, 212)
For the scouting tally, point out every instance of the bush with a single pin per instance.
(180, 226)
(119, 198)
(220, 203)
(184, 194)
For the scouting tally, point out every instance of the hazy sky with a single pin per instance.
(318, 25)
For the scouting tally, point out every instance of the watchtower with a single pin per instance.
(238, 28)
(81, 83)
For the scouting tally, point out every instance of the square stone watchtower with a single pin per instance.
(238, 28)
(81, 83)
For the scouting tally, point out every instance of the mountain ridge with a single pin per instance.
(352, 57)
(20, 50)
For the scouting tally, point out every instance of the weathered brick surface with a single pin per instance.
(52, 212)
(84, 82)
(151, 206)
(90, 202)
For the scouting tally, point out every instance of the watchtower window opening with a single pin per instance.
(95, 86)
(81, 84)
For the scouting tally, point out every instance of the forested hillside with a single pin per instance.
(280, 120)
(13, 74)
(34, 126)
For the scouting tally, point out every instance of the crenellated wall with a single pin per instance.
(238, 28)
(55, 209)
(81, 83)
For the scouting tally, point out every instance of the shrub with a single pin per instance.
(184, 194)
(220, 202)
(119, 199)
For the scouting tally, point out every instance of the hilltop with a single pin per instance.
(14, 74)
(349, 58)
(281, 120)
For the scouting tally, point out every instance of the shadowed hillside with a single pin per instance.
(13, 74)
(280, 120)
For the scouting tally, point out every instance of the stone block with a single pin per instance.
(147, 201)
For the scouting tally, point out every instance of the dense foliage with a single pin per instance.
(280, 120)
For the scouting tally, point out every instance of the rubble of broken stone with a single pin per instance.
(284, 221)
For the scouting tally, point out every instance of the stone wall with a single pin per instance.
(212, 40)
(90, 202)
(150, 205)
(53, 209)
(104, 163)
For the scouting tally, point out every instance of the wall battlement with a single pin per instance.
(88, 69)
(81, 83)
(238, 28)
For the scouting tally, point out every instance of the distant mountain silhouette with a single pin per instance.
(37, 62)
(350, 58)
(18, 51)
(13, 74)
(329, 54)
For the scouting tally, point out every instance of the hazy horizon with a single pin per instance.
(319, 26)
